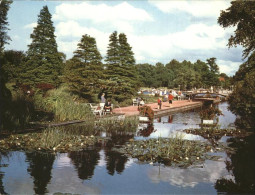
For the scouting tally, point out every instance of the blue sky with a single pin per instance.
(158, 31)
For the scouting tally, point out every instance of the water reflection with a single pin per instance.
(170, 125)
(115, 162)
(242, 164)
(2, 191)
(103, 171)
(40, 166)
(85, 162)
(190, 177)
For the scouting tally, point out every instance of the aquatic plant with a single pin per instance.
(67, 138)
(63, 104)
(173, 151)
(210, 113)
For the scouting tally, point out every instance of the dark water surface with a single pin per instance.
(102, 171)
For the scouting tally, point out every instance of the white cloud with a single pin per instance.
(195, 37)
(228, 67)
(120, 17)
(73, 31)
(195, 8)
(101, 12)
(31, 25)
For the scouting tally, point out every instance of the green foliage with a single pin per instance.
(4, 38)
(84, 72)
(242, 15)
(242, 100)
(43, 63)
(16, 114)
(11, 63)
(146, 74)
(120, 69)
(63, 105)
(186, 74)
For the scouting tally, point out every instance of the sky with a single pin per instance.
(158, 31)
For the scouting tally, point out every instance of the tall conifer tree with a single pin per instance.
(127, 63)
(4, 38)
(43, 63)
(84, 72)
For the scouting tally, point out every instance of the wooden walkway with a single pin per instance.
(178, 105)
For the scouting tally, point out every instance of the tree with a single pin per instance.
(120, 68)
(213, 75)
(4, 38)
(43, 63)
(242, 15)
(84, 72)
(127, 63)
(146, 74)
(242, 100)
(11, 63)
(5, 94)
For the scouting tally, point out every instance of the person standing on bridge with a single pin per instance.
(159, 103)
(170, 98)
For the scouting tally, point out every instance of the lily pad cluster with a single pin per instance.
(37, 142)
(170, 151)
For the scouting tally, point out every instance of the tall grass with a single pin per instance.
(63, 104)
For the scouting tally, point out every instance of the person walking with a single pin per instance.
(170, 98)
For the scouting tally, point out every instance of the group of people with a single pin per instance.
(170, 100)
(140, 102)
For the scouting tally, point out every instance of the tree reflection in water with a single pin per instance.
(242, 165)
(115, 160)
(85, 162)
(2, 175)
(40, 166)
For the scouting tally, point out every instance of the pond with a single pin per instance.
(100, 170)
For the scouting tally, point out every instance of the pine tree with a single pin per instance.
(4, 38)
(84, 72)
(43, 63)
(120, 68)
(127, 63)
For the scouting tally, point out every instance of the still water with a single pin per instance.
(102, 171)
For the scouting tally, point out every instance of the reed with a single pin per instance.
(63, 104)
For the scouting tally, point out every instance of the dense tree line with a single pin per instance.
(185, 74)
